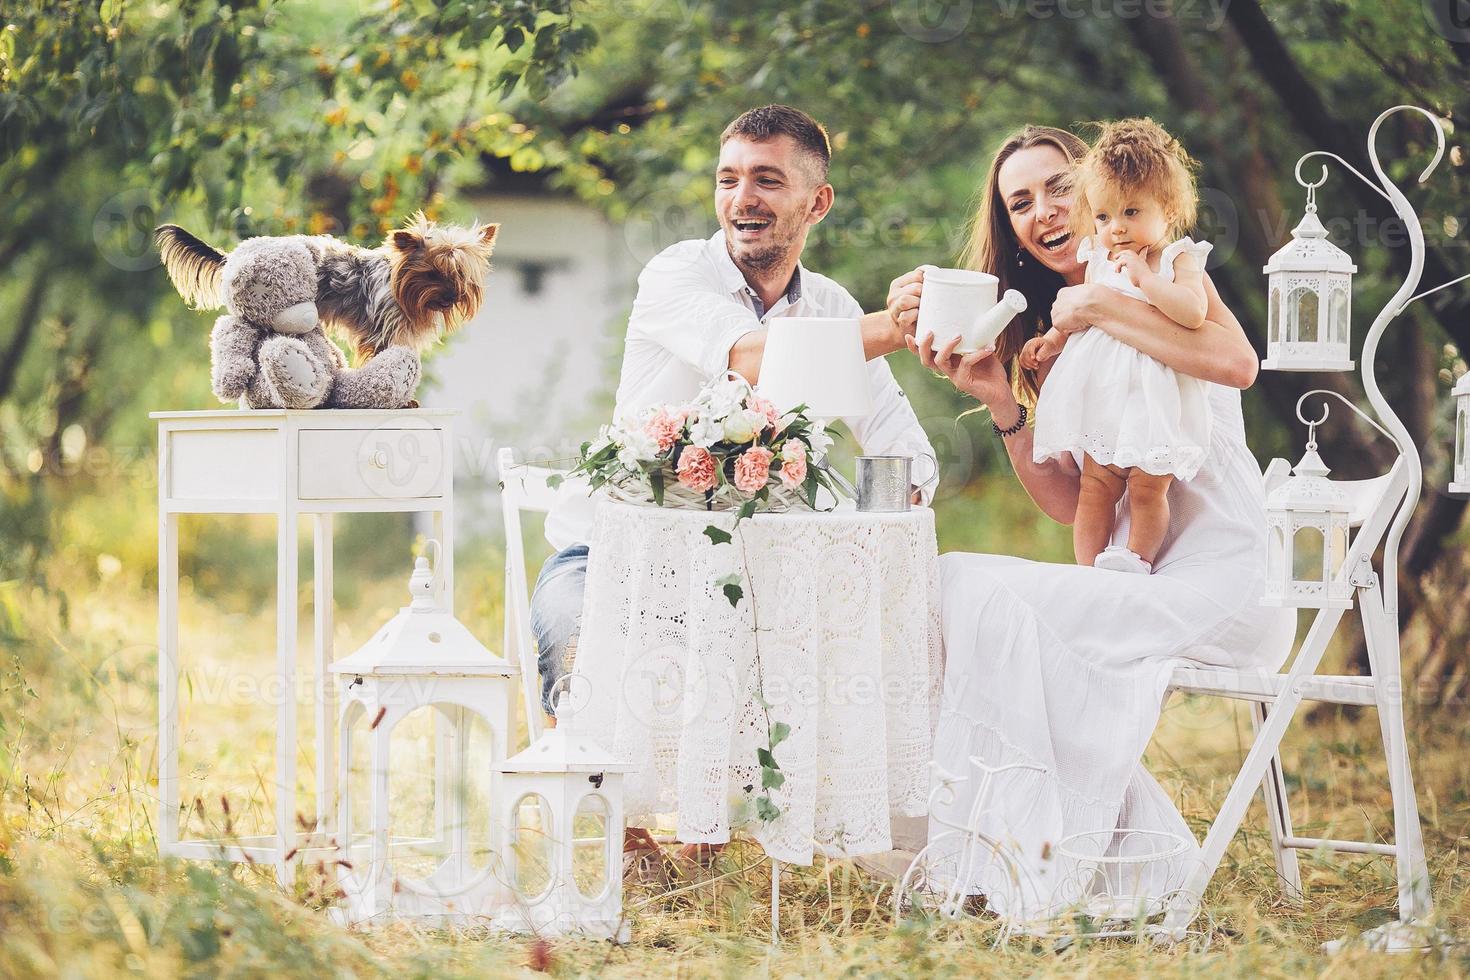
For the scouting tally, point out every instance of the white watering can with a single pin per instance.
(962, 302)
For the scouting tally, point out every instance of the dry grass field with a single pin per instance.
(84, 893)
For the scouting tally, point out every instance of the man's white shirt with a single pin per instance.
(693, 304)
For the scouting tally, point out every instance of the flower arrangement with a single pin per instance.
(727, 449)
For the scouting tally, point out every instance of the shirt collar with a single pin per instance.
(734, 279)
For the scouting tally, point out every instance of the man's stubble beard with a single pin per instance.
(767, 258)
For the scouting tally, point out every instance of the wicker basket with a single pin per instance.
(632, 490)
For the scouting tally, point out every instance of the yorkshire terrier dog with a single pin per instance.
(419, 285)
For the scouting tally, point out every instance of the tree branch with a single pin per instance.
(1274, 62)
(25, 332)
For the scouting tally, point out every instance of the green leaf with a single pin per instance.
(656, 481)
(555, 481)
(766, 759)
(717, 535)
(780, 731)
(765, 809)
(772, 779)
(747, 509)
(730, 585)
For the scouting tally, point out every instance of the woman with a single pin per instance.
(1063, 668)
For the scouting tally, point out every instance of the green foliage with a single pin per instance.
(235, 119)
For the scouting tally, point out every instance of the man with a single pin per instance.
(701, 310)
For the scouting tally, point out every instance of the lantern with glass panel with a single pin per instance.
(1460, 485)
(1308, 519)
(1309, 284)
(426, 715)
(564, 846)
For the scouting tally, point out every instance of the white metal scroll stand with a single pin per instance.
(1378, 608)
(285, 464)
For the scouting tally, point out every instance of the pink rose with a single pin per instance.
(697, 469)
(793, 470)
(753, 469)
(759, 404)
(663, 429)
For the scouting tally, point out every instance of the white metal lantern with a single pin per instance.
(423, 659)
(565, 825)
(1307, 522)
(1461, 483)
(1310, 288)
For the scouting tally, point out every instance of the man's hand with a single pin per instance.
(903, 302)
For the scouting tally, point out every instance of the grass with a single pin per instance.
(83, 891)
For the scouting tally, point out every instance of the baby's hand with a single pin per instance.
(1135, 264)
(1035, 352)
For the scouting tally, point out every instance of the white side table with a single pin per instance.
(288, 463)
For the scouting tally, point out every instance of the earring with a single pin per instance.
(1020, 256)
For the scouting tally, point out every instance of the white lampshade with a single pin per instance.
(817, 362)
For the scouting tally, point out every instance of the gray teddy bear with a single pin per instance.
(269, 350)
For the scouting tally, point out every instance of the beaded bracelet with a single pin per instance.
(1012, 430)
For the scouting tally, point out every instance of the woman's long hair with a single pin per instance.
(993, 248)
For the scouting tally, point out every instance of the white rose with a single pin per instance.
(705, 431)
(739, 427)
(603, 440)
(717, 406)
(636, 446)
(819, 440)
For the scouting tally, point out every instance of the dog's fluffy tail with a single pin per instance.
(193, 265)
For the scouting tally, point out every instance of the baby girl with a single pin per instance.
(1132, 422)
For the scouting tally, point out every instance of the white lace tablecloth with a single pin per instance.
(848, 652)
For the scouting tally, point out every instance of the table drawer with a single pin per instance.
(382, 462)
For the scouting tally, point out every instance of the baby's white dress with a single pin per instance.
(1116, 404)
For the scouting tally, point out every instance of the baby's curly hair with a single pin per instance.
(1137, 156)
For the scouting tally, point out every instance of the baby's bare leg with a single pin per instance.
(1148, 509)
(1097, 503)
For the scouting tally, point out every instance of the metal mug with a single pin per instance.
(884, 483)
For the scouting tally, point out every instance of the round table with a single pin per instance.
(835, 634)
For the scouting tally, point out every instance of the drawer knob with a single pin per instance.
(379, 458)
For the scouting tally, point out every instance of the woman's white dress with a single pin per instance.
(1116, 404)
(1065, 667)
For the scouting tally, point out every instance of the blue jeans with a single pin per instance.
(556, 616)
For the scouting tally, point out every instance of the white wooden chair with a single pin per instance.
(522, 487)
(1274, 700)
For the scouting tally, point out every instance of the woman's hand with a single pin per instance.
(1217, 351)
(903, 301)
(979, 375)
(1075, 307)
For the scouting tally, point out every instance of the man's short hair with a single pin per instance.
(771, 121)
